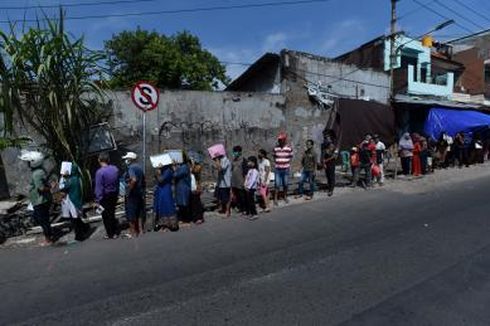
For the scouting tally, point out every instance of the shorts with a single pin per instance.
(281, 178)
(223, 195)
(134, 208)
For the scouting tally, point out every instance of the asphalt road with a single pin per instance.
(366, 258)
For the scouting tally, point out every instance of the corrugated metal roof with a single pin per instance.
(434, 101)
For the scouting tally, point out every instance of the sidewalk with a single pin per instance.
(439, 181)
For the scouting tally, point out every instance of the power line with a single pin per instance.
(417, 9)
(469, 8)
(178, 11)
(80, 4)
(442, 16)
(459, 15)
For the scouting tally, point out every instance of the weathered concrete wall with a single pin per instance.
(196, 120)
(348, 81)
(305, 118)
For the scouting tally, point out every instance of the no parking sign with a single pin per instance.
(145, 96)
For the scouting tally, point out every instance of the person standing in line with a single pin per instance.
(107, 193)
(283, 154)
(309, 163)
(380, 156)
(196, 206)
(355, 165)
(417, 149)
(366, 161)
(406, 153)
(135, 183)
(424, 155)
(183, 183)
(72, 204)
(265, 178)
(330, 155)
(237, 178)
(223, 166)
(251, 184)
(164, 204)
(450, 153)
(40, 195)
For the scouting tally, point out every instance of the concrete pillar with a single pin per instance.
(428, 74)
(419, 72)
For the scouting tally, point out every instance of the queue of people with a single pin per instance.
(242, 182)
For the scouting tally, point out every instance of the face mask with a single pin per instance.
(127, 161)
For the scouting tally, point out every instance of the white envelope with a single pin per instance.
(161, 160)
(66, 167)
(176, 155)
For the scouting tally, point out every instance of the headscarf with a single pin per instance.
(406, 142)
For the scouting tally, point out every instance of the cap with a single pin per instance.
(282, 136)
(130, 155)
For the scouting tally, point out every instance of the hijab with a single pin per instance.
(406, 142)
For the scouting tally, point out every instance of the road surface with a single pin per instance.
(364, 258)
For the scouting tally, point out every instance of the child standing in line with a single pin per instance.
(355, 165)
(251, 183)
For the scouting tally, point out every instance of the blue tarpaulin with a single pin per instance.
(454, 121)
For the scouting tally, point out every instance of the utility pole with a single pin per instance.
(392, 67)
(392, 49)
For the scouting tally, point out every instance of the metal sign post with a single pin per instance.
(145, 96)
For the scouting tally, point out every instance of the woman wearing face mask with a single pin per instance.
(406, 153)
(72, 204)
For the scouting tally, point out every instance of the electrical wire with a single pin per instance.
(459, 15)
(80, 4)
(469, 8)
(411, 12)
(442, 16)
(178, 11)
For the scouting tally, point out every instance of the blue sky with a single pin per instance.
(243, 35)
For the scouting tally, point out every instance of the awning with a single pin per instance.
(454, 121)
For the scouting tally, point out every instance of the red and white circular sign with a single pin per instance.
(145, 96)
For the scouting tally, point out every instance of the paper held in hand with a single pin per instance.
(161, 160)
(66, 168)
(176, 155)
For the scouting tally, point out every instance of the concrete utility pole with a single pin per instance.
(392, 67)
(392, 48)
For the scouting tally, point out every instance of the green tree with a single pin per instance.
(174, 62)
(48, 82)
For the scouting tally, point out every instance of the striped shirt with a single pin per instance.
(282, 157)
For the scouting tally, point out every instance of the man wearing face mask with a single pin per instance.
(309, 163)
(135, 190)
(40, 194)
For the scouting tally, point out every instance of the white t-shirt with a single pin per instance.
(263, 164)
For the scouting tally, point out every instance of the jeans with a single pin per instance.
(367, 172)
(109, 202)
(381, 178)
(41, 217)
(330, 173)
(281, 178)
(307, 176)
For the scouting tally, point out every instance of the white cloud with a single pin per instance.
(344, 31)
(275, 42)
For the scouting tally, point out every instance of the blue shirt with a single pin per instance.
(136, 172)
